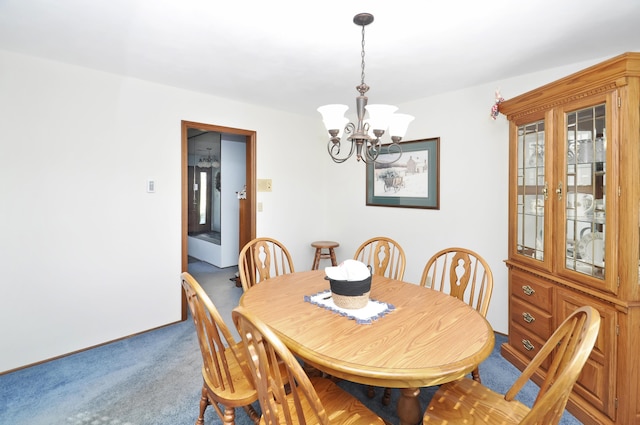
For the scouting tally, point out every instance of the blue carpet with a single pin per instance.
(154, 379)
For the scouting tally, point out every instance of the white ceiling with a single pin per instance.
(296, 55)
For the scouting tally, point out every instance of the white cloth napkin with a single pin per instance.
(351, 270)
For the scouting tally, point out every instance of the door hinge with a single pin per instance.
(618, 282)
(615, 403)
(619, 102)
(617, 330)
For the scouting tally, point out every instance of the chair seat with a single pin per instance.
(469, 402)
(325, 244)
(243, 392)
(341, 407)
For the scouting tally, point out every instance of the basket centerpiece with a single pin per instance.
(350, 284)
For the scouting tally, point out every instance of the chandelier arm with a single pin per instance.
(333, 147)
(394, 150)
(349, 128)
(372, 150)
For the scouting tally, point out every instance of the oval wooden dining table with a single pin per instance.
(428, 338)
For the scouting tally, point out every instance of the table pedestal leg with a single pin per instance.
(409, 410)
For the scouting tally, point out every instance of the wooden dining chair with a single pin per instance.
(385, 256)
(464, 274)
(227, 381)
(467, 401)
(303, 400)
(262, 258)
(461, 273)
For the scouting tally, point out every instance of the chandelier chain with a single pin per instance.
(362, 56)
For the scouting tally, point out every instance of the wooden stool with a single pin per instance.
(319, 246)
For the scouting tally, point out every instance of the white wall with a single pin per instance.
(89, 256)
(233, 179)
(204, 250)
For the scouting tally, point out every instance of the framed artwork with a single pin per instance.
(413, 181)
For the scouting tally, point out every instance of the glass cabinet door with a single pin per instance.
(531, 190)
(584, 190)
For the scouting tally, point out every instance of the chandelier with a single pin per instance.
(365, 134)
(209, 161)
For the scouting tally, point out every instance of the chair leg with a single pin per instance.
(316, 259)
(204, 402)
(386, 398)
(371, 392)
(475, 374)
(229, 416)
(251, 412)
(332, 255)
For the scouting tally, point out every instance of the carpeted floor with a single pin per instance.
(154, 378)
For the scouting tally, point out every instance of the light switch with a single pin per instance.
(264, 185)
(151, 186)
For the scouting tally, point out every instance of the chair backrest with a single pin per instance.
(261, 259)
(384, 255)
(461, 273)
(571, 345)
(285, 392)
(219, 366)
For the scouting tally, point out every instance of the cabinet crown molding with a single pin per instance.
(599, 78)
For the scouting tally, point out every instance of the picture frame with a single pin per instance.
(413, 181)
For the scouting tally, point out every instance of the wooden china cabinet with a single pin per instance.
(574, 227)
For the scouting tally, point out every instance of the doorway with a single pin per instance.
(248, 217)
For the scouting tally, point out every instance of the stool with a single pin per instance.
(319, 246)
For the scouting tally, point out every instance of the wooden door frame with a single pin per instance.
(250, 137)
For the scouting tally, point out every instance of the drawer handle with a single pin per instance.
(527, 345)
(528, 290)
(528, 318)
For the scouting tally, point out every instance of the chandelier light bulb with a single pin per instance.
(398, 124)
(380, 115)
(333, 116)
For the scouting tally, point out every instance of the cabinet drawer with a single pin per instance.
(597, 381)
(531, 319)
(532, 290)
(526, 342)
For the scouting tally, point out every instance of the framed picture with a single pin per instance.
(413, 181)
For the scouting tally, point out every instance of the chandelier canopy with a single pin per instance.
(366, 133)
